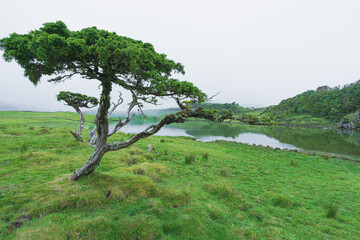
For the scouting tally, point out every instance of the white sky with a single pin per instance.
(255, 52)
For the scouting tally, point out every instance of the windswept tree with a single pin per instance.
(95, 54)
(77, 101)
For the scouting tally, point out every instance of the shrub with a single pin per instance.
(293, 163)
(205, 156)
(332, 210)
(24, 147)
(133, 160)
(44, 131)
(224, 173)
(222, 189)
(284, 202)
(190, 158)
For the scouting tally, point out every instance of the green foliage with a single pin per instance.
(285, 202)
(190, 158)
(24, 147)
(234, 107)
(206, 155)
(190, 201)
(97, 54)
(224, 173)
(332, 210)
(226, 114)
(330, 103)
(76, 99)
(254, 119)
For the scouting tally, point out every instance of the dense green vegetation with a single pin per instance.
(181, 190)
(330, 103)
(312, 139)
(236, 109)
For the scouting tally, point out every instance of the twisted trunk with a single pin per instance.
(77, 135)
(102, 128)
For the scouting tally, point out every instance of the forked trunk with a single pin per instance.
(102, 128)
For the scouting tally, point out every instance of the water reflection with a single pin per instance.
(251, 138)
(325, 140)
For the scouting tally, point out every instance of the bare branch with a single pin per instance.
(212, 96)
(121, 123)
(115, 105)
(62, 78)
(178, 117)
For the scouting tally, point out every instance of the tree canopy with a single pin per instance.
(77, 99)
(95, 54)
(55, 51)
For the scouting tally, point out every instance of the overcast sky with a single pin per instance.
(255, 52)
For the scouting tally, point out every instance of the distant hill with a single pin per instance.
(326, 102)
(6, 107)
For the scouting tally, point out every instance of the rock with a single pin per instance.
(348, 125)
(150, 148)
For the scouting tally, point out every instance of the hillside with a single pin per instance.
(236, 109)
(329, 103)
(182, 190)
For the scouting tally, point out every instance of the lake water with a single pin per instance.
(324, 140)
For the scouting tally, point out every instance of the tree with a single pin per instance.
(95, 54)
(77, 100)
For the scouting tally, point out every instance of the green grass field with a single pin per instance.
(182, 190)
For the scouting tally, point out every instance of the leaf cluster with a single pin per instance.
(55, 51)
(77, 99)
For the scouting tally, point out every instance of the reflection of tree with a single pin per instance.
(203, 129)
(326, 140)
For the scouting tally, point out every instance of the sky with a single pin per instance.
(254, 52)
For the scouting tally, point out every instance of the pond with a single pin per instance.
(312, 139)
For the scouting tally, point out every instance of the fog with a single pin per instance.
(255, 53)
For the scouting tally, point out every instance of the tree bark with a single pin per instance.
(77, 135)
(102, 128)
(82, 123)
(92, 163)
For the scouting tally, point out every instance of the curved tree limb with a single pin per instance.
(178, 117)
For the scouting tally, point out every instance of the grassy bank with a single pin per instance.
(181, 190)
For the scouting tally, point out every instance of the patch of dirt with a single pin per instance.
(18, 223)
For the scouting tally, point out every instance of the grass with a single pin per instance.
(236, 192)
(190, 158)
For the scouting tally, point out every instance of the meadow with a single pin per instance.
(183, 189)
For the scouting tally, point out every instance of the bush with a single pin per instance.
(44, 131)
(133, 160)
(224, 173)
(253, 119)
(284, 202)
(293, 163)
(223, 190)
(190, 158)
(24, 147)
(332, 210)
